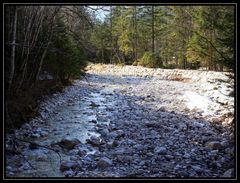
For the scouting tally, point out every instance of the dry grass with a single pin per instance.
(178, 77)
(121, 65)
(97, 67)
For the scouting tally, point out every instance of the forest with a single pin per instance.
(48, 49)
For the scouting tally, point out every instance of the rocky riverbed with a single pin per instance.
(128, 121)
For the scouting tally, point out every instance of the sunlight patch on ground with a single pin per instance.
(194, 100)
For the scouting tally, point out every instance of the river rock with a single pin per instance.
(26, 126)
(214, 145)
(197, 124)
(82, 152)
(69, 143)
(104, 132)
(41, 157)
(35, 135)
(104, 162)
(197, 168)
(94, 140)
(229, 173)
(160, 150)
(67, 165)
(69, 173)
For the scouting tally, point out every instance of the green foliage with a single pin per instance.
(150, 60)
(66, 60)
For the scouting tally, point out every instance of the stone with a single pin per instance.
(186, 155)
(69, 143)
(228, 173)
(43, 133)
(169, 157)
(67, 165)
(104, 162)
(182, 126)
(214, 145)
(160, 150)
(26, 126)
(104, 132)
(197, 168)
(35, 135)
(120, 133)
(169, 142)
(9, 168)
(73, 152)
(94, 140)
(82, 152)
(138, 147)
(69, 173)
(93, 121)
(25, 166)
(224, 143)
(119, 151)
(124, 158)
(41, 157)
(93, 104)
(198, 125)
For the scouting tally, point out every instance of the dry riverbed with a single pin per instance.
(128, 121)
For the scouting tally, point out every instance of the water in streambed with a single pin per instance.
(77, 119)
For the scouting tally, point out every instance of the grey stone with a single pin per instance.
(67, 165)
(197, 168)
(41, 157)
(228, 173)
(82, 152)
(9, 168)
(186, 155)
(35, 135)
(138, 147)
(224, 143)
(214, 145)
(25, 166)
(69, 143)
(160, 150)
(69, 173)
(43, 133)
(169, 157)
(104, 162)
(198, 125)
(26, 126)
(73, 152)
(94, 140)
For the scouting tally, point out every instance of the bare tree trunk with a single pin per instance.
(41, 61)
(111, 49)
(13, 48)
(135, 30)
(102, 51)
(153, 33)
(46, 49)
